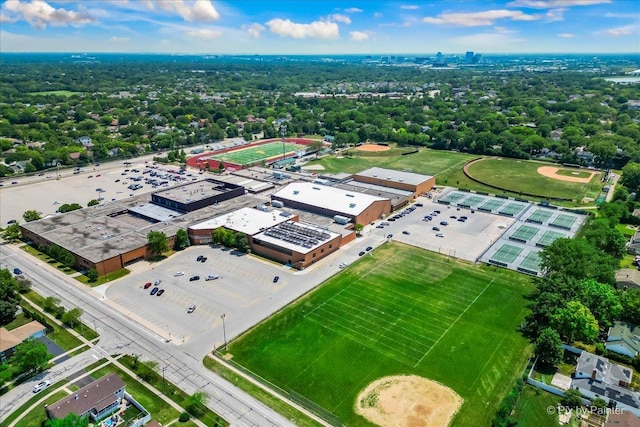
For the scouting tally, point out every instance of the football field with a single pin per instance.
(255, 154)
(398, 310)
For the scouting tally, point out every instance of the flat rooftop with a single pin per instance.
(297, 236)
(249, 221)
(394, 175)
(155, 212)
(195, 191)
(335, 199)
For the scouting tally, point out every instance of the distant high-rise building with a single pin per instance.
(439, 62)
(468, 57)
(476, 58)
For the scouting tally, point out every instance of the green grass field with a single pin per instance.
(531, 409)
(398, 310)
(255, 154)
(56, 92)
(522, 176)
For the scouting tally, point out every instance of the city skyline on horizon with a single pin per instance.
(333, 27)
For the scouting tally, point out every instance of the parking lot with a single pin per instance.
(466, 240)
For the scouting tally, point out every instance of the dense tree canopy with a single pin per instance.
(157, 242)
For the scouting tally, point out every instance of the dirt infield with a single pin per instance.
(551, 172)
(373, 147)
(408, 401)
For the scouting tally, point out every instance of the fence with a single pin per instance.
(311, 406)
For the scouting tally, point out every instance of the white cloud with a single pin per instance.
(339, 18)
(377, 15)
(353, 10)
(409, 7)
(489, 42)
(116, 39)
(548, 4)
(316, 29)
(255, 30)
(39, 14)
(198, 11)
(621, 15)
(476, 19)
(626, 30)
(203, 33)
(566, 35)
(6, 18)
(359, 36)
(554, 15)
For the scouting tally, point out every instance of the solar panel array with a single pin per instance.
(298, 235)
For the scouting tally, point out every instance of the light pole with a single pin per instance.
(283, 132)
(163, 389)
(224, 330)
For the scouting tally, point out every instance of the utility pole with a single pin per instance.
(224, 330)
(163, 387)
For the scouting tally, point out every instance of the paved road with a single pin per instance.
(119, 334)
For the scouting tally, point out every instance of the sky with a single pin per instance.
(321, 27)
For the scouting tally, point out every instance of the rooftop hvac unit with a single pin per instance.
(352, 205)
(316, 188)
(277, 203)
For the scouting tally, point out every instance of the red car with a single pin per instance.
(147, 285)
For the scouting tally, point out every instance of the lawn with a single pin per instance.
(46, 258)
(37, 415)
(399, 310)
(56, 93)
(522, 176)
(103, 279)
(60, 335)
(426, 161)
(531, 409)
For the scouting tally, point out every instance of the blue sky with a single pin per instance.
(320, 26)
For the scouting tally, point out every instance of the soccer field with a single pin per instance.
(398, 310)
(258, 153)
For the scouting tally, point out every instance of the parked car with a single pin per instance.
(157, 282)
(194, 278)
(368, 248)
(379, 226)
(11, 221)
(203, 259)
(160, 292)
(419, 205)
(41, 386)
(212, 277)
(199, 258)
(436, 228)
(178, 273)
(342, 265)
(461, 220)
(444, 223)
(389, 236)
(147, 285)
(17, 271)
(361, 253)
(154, 291)
(405, 232)
(191, 308)
(439, 235)
(275, 279)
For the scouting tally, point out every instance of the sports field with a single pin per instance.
(398, 310)
(522, 176)
(255, 154)
(426, 161)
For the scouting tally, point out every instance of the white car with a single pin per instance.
(343, 265)
(41, 386)
(212, 277)
(157, 282)
(178, 273)
(191, 309)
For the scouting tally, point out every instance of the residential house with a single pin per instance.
(597, 377)
(624, 338)
(9, 340)
(633, 247)
(99, 399)
(85, 141)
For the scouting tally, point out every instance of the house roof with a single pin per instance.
(99, 394)
(611, 373)
(10, 339)
(626, 335)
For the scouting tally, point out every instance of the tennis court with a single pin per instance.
(471, 201)
(548, 237)
(530, 264)
(564, 221)
(540, 216)
(255, 154)
(512, 209)
(491, 205)
(525, 233)
(453, 197)
(506, 254)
